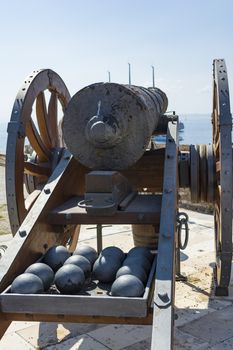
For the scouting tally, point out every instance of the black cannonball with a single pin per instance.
(56, 256)
(105, 269)
(43, 271)
(88, 252)
(113, 252)
(138, 261)
(127, 286)
(136, 251)
(69, 279)
(27, 283)
(134, 270)
(81, 262)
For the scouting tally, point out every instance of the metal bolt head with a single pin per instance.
(23, 233)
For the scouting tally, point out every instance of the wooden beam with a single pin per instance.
(8, 317)
(143, 209)
(163, 318)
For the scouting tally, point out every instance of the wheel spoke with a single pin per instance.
(36, 142)
(42, 119)
(218, 166)
(52, 120)
(216, 147)
(36, 169)
(31, 198)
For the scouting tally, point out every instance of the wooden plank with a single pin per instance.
(143, 209)
(37, 169)
(163, 319)
(147, 172)
(8, 317)
(124, 204)
(31, 198)
(74, 239)
(74, 305)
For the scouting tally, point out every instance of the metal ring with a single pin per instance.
(82, 204)
(182, 246)
(182, 222)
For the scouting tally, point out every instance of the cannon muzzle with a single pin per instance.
(108, 126)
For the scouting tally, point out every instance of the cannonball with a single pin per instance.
(69, 279)
(127, 286)
(27, 283)
(81, 262)
(136, 251)
(43, 271)
(114, 252)
(56, 256)
(138, 261)
(134, 270)
(105, 269)
(88, 252)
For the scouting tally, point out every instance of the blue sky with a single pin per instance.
(82, 40)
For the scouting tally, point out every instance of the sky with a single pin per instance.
(84, 39)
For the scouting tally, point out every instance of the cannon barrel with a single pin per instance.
(108, 126)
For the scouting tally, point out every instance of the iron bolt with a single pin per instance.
(164, 298)
(23, 233)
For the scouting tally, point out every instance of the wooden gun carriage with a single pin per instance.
(54, 176)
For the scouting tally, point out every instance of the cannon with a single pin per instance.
(93, 161)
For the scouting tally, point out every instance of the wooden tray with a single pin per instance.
(91, 302)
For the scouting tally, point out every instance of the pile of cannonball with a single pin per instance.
(127, 273)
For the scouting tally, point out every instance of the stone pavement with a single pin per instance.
(202, 320)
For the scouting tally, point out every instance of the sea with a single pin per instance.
(197, 130)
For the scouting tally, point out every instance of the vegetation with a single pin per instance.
(4, 221)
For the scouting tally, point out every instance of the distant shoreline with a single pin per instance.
(197, 130)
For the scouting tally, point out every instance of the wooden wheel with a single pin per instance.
(222, 146)
(34, 124)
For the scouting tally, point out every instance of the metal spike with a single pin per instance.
(129, 73)
(153, 76)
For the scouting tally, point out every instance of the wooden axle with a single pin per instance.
(197, 171)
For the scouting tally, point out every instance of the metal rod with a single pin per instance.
(129, 73)
(99, 238)
(109, 76)
(153, 76)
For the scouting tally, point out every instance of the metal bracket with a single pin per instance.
(15, 127)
